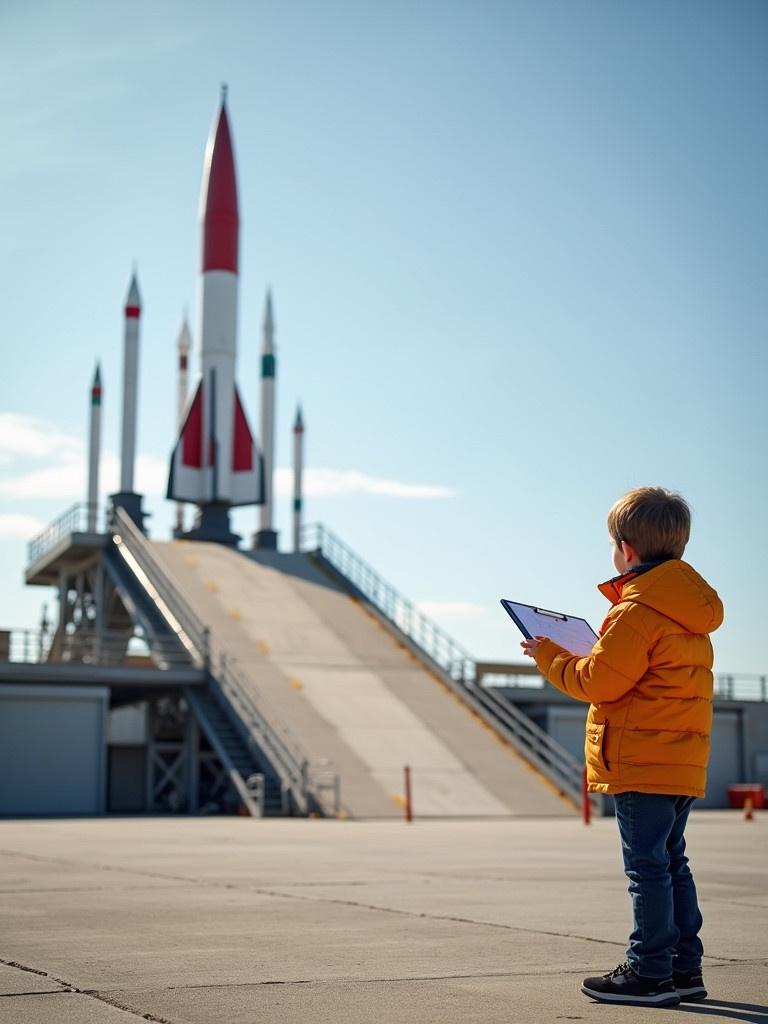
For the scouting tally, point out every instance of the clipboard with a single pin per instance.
(574, 634)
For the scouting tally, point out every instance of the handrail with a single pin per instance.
(137, 553)
(440, 647)
(26, 646)
(36, 646)
(254, 808)
(549, 756)
(79, 518)
(288, 758)
(269, 732)
(741, 687)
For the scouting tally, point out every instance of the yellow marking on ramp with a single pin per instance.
(295, 683)
(398, 798)
(263, 646)
(212, 585)
(234, 613)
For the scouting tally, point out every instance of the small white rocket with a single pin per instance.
(130, 385)
(126, 497)
(266, 537)
(216, 462)
(183, 343)
(94, 451)
(298, 486)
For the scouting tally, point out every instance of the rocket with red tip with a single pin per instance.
(216, 462)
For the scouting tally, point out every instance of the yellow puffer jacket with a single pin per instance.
(649, 681)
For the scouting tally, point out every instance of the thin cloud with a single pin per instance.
(68, 478)
(336, 483)
(64, 475)
(32, 437)
(19, 527)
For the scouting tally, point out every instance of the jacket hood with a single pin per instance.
(672, 588)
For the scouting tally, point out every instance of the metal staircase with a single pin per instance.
(235, 753)
(246, 735)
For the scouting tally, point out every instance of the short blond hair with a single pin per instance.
(654, 521)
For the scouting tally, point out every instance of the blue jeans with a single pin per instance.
(667, 921)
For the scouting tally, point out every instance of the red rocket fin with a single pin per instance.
(242, 448)
(188, 478)
(247, 461)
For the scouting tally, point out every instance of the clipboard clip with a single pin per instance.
(551, 615)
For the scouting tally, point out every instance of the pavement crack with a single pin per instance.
(435, 917)
(69, 989)
(311, 898)
(45, 992)
(111, 1001)
(260, 890)
(23, 967)
(353, 980)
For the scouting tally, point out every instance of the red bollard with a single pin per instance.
(586, 807)
(408, 805)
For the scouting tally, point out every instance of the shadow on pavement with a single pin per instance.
(753, 1012)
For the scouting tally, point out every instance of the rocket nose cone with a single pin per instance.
(219, 200)
(184, 339)
(133, 298)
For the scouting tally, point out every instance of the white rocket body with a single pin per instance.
(298, 484)
(94, 451)
(268, 365)
(183, 343)
(130, 386)
(216, 461)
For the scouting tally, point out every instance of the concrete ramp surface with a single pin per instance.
(348, 692)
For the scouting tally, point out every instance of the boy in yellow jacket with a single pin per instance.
(649, 683)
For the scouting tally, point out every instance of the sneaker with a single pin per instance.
(622, 985)
(689, 985)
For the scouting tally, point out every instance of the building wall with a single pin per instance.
(52, 750)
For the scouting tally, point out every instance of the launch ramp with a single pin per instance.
(357, 702)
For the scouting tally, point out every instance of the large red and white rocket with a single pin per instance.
(216, 462)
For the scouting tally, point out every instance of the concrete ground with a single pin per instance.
(192, 921)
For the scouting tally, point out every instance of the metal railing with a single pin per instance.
(727, 686)
(28, 646)
(78, 646)
(80, 518)
(441, 648)
(275, 739)
(741, 687)
(549, 756)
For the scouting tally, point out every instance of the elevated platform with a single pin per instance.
(350, 693)
(68, 553)
(126, 682)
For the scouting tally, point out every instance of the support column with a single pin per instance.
(193, 762)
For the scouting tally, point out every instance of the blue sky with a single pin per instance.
(518, 256)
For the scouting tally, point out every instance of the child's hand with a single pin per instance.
(531, 646)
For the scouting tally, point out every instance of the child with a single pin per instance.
(648, 681)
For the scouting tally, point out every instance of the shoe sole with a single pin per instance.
(662, 999)
(692, 995)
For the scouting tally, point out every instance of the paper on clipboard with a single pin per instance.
(574, 634)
